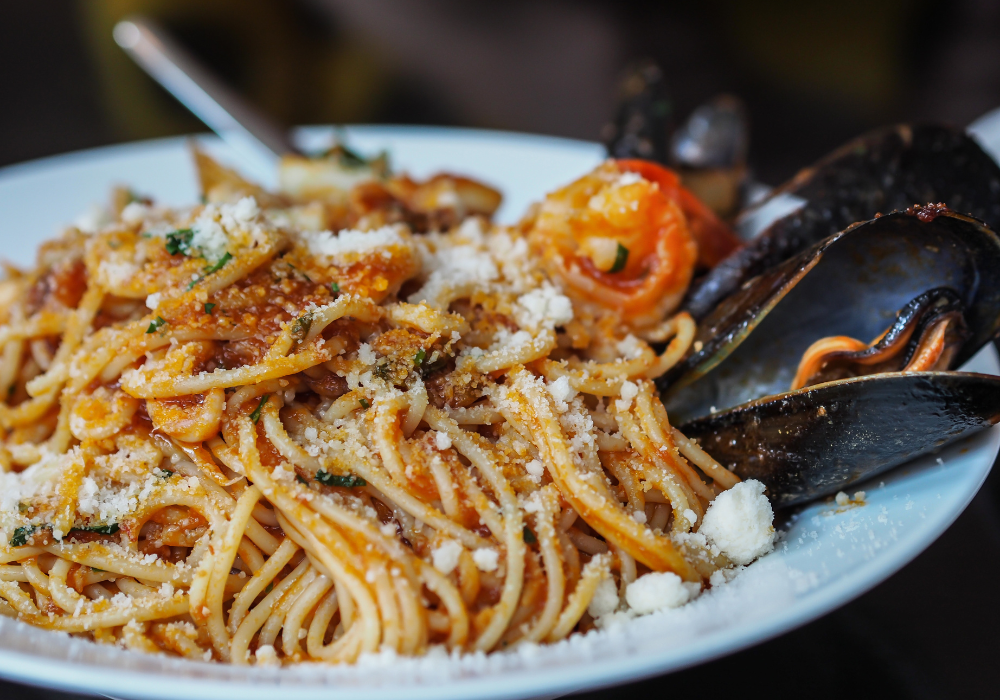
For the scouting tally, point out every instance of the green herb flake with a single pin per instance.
(621, 259)
(255, 416)
(382, 371)
(419, 358)
(109, 529)
(300, 272)
(334, 288)
(208, 308)
(364, 403)
(210, 269)
(529, 535)
(156, 325)
(298, 478)
(348, 482)
(22, 507)
(226, 258)
(300, 329)
(179, 241)
(270, 587)
(21, 535)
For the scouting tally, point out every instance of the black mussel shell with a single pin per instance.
(643, 121)
(853, 284)
(819, 440)
(889, 169)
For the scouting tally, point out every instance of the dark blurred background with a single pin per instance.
(811, 74)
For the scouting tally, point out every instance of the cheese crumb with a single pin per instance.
(208, 237)
(630, 347)
(656, 591)
(266, 656)
(739, 522)
(535, 470)
(445, 556)
(442, 440)
(561, 393)
(629, 391)
(366, 354)
(486, 559)
(153, 300)
(544, 307)
(605, 600)
(351, 241)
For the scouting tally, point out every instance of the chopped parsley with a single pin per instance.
(364, 403)
(179, 241)
(109, 529)
(529, 535)
(156, 325)
(334, 288)
(419, 358)
(298, 478)
(621, 259)
(300, 272)
(229, 256)
(255, 416)
(210, 269)
(382, 371)
(300, 329)
(21, 535)
(208, 308)
(348, 482)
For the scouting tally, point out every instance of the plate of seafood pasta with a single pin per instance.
(444, 413)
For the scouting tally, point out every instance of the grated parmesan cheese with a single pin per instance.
(544, 307)
(562, 393)
(442, 440)
(350, 241)
(656, 591)
(739, 522)
(445, 556)
(605, 600)
(208, 237)
(486, 558)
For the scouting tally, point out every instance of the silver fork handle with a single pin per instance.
(226, 113)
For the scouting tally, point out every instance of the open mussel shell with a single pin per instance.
(888, 169)
(851, 284)
(816, 441)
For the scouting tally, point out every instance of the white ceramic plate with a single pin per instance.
(826, 557)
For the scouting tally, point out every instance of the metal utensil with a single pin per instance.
(238, 123)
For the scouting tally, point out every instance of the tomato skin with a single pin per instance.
(714, 238)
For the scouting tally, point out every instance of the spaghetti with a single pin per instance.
(230, 434)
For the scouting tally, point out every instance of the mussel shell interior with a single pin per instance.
(851, 284)
(819, 440)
